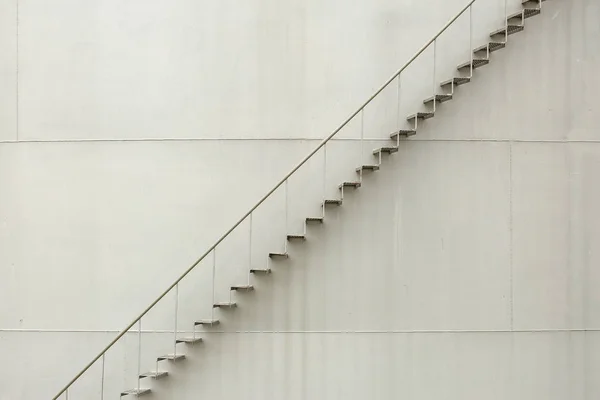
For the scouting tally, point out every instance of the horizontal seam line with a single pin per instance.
(425, 331)
(155, 140)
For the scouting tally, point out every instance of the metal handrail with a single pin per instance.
(269, 193)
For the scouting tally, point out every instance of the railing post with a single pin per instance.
(250, 248)
(286, 189)
(505, 21)
(471, 39)
(434, 71)
(214, 269)
(362, 138)
(102, 381)
(176, 312)
(324, 180)
(139, 367)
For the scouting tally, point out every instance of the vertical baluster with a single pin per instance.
(398, 110)
(139, 368)
(286, 189)
(214, 267)
(434, 72)
(67, 394)
(505, 21)
(362, 137)
(324, 178)
(176, 312)
(102, 381)
(250, 249)
(471, 38)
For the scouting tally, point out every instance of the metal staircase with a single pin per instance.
(480, 56)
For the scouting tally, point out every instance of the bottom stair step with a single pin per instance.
(154, 374)
(136, 392)
(190, 340)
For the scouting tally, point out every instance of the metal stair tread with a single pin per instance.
(530, 12)
(404, 132)
(135, 392)
(207, 322)
(243, 288)
(336, 202)
(492, 46)
(420, 115)
(171, 357)
(388, 150)
(226, 304)
(518, 14)
(296, 237)
(154, 374)
(367, 168)
(511, 29)
(260, 271)
(457, 80)
(349, 184)
(477, 62)
(440, 98)
(314, 219)
(282, 255)
(191, 340)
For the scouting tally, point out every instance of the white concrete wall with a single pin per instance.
(467, 267)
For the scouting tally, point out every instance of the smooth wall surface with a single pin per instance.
(466, 267)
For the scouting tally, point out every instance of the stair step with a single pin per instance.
(404, 132)
(296, 237)
(350, 184)
(278, 255)
(457, 81)
(208, 322)
(314, 219)
(440, 98)
(420, 115)
(335, 202)
(531, 2)
(367, 168)
(518, 15)
(171, 357)
(493, 46)
(225, 305)
(388, 150)
(191, 340)
(477, 62)
(135, 392)
(154, 374)
(243, 288)
(511, 29)
(260, 271)
(530, 12)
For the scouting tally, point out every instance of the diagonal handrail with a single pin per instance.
(265, 197)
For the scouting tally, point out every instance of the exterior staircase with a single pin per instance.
(480, 57)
